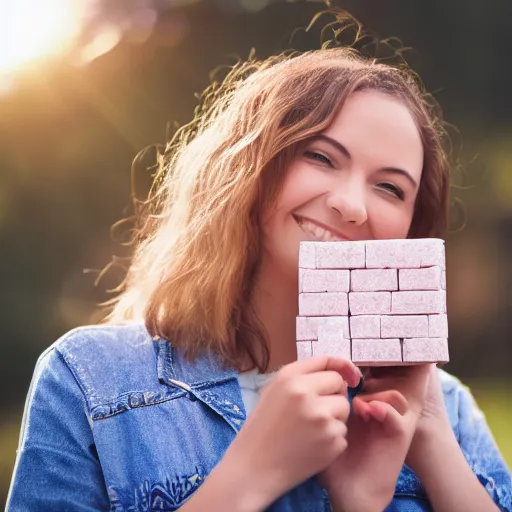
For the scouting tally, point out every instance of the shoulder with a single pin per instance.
(455, 392)
(105, 360)
(460, 404)
(449, 382)
(104, 343)
(460, 400)
(476, 441)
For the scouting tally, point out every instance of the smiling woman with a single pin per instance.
(357, 180)
(191, 397)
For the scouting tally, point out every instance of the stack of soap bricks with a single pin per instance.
(378, 302)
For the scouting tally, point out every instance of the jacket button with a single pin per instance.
(136, 400)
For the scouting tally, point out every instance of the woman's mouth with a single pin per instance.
(320, 233)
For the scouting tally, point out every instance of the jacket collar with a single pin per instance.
(206, 369)
(206, 379)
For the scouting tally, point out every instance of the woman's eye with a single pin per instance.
(393, 189)
(318, 156)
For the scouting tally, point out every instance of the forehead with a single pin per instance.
(379, 130)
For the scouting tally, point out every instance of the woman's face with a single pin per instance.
(358, 180)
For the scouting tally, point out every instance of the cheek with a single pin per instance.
(391, 221)
(302, 184)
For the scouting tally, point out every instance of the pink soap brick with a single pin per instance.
(443, 280)
(413, 326)
(373, 280)
(323, 304)
(418, 302)
(432, 252)
(340, 255)
(370, 303)
(376, 351)
(393, 254)
(301, 276)
(314, 280)
(307, 255)
(307, 326)
(365, 326)
(420, 278)
(426, 350)
(438, 326)
(331, 341)
(304, 350)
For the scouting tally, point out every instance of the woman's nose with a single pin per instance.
(349, 204)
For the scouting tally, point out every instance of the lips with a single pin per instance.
(319, 232)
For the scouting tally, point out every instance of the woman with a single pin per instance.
(161, 409)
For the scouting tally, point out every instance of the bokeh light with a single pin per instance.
(31, 30)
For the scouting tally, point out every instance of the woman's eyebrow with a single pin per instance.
(342, 149)
(395, 170)
(333, 142)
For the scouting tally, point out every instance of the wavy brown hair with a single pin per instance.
(198, 251)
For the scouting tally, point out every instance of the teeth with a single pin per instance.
(321, 234)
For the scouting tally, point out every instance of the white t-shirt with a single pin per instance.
(251, 384)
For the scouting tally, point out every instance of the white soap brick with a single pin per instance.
(432, 252)
(317, 281)
(429, 278)
(365, 326)
(340, 255)
(408, 253)
(370, 303)
(331, 341)
(438, 326)
(304, 350)
(307, 326)
(331, 348)
(373, 280)
(418, 302)
(376, 351)
(323, 304)
(404, 326)
(301, 277)
(307, 255)
(333, 327)
(393, 254)
(426, 350)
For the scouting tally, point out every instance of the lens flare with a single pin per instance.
(31, 30)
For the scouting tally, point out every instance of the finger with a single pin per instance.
(391, 397)
(379, 410)
(387, 416)
(337, 406)
(361, 409)
(326, 383)
(344, 367)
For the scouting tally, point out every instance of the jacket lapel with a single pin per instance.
(206, 380)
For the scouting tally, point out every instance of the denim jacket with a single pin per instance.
(116, 420)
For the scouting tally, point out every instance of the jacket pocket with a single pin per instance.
(165, 496)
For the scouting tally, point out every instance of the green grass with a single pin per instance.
(495, 400)
(9, 435)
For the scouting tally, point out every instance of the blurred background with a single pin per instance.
(86, 84)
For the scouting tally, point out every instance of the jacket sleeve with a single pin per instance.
(56, 468)
(481, 451)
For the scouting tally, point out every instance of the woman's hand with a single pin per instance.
(363, 477)
(296, 430)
